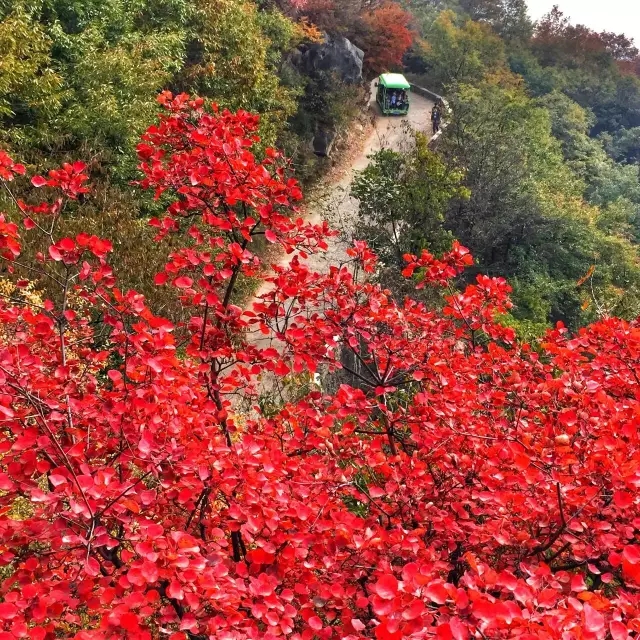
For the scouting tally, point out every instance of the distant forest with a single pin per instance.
(544, 139)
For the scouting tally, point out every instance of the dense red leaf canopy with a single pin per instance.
(463, 485)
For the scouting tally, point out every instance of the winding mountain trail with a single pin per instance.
(331, 201)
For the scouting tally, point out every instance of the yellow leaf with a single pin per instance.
(587, 275)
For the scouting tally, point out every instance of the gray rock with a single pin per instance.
(324, 140)
(335, 55)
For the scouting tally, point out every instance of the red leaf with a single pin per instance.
(357, 624)
(415, 610)
(174, 590)
(458, 629)
(593, 620)
(386, 586)
(618, 631)
(6, 483)
(55, 254)
(315, 623)
(129, 622)
(567, 417)
(632, 553)
(578, 583)
(436, 592)
(183, 282)
(67, 244)
(383, 633)
(6, 412)
(8, 610)
(443, 632)
(623, 499)
(92, 567)
(38, 181)
(56, 479)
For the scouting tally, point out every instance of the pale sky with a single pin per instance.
(619, 16)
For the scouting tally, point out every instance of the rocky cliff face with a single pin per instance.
(335, 55)
(334, 60)
(324, 140)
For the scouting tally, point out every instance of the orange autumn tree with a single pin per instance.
(387, 37)
(463, 485)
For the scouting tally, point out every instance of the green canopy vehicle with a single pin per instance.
(393, 94)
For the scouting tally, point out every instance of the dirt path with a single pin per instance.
(331, 200)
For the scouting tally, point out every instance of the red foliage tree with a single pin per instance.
(387, 37)
(557, 40)
(463, 486)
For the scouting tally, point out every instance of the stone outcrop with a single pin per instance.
(335, 55)
(323, 140)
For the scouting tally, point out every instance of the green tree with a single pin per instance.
(547, 150)
(402, 201)
(459, 51)
(111, 94)
(83, 77)
(592, 69)
(539, 80)
(233, 57)
(30, 89)
(527, 218)
(605, 180)
(623, 145)
(508, 18)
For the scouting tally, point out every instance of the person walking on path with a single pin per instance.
(435, 118)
